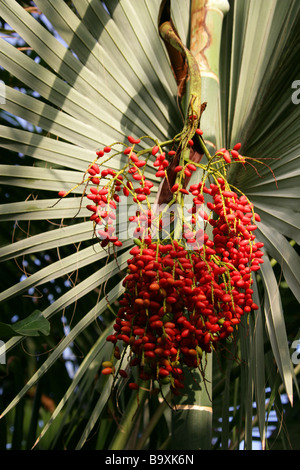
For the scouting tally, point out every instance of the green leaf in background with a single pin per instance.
(34, 325)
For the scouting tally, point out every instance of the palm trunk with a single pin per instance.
(206, 29)
(192, 420)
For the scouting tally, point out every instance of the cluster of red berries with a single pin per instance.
(180, 303)
(182, 297)
(105, 187)
(104, 205)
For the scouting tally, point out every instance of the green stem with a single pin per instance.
(131, 413)
(153, 422)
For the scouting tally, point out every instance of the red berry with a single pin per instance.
(154, 286)
(95, 180)
(178, 168)
(95, 167)
(133, 386)
(163, 372)
(237, 146)
(257, 218)
(235, 154)
(192, 167)
(127, 151)
(155, 149)
(111, 338)
(149, 346)
(226, 156)
(132, 140)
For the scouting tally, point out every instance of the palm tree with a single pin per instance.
(82, 75)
